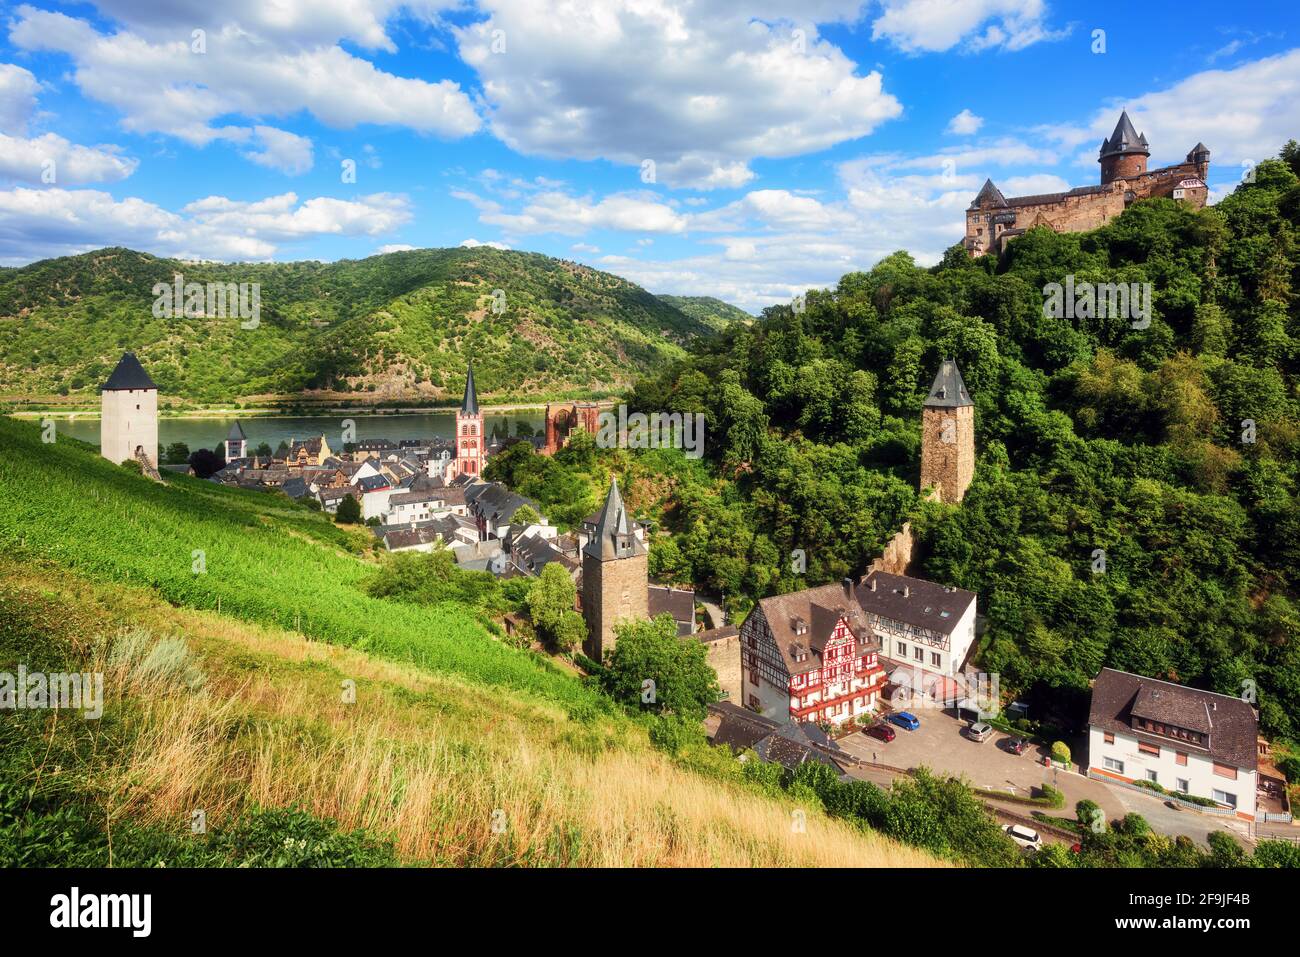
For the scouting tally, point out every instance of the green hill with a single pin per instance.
(229, 626)
(714, 313)
(394, 327)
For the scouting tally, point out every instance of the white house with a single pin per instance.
(1186, 740)
(923, 626)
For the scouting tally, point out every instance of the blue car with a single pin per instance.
(905, 719)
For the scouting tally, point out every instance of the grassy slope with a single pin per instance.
(448, 725)
(400, 325)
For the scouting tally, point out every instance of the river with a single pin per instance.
(206, 433)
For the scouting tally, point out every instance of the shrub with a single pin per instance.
(1060, 752)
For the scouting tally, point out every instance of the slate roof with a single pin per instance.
(495, 503)
(294, 488)
(236, 433)
(1230, 723)
(948, 391)
(717, 634)
(534, 553)
(673, 601)
(794, 744)
(372, 483)
(613, 536)
(819, 609)
(989, 195)
(740, 728)
(128, 374)
(923, 606)
(413, 498)
(469, 405)
(1125, 139)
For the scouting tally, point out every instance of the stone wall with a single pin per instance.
(948, 451)
(897, 555)
(612, 591)
(724, 658)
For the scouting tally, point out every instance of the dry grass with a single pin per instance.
(451, 773)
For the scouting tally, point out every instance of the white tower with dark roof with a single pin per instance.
(128, 419)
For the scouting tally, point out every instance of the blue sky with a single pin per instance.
(747, 151)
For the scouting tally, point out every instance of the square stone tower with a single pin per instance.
(615, 576)
(948, 435)
(128, 417)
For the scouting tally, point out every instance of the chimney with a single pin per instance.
(848, 588)
(907, 591)
(873, 584)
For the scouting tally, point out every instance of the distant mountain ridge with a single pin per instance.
(714, 312)
(393, 327)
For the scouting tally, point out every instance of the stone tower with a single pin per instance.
(948, 435)
(128, 419)
(236, 443)
(1125, 153)
(469, 433)
(615, 576)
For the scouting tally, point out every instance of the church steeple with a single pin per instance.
(469, 405)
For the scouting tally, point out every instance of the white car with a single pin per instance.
(979, 731)
(1026, 837)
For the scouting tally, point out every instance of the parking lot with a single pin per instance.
(940, 745)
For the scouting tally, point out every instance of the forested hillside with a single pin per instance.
(399, 326)
(714, 313)
(1174, 449)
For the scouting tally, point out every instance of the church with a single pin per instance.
(992, 220)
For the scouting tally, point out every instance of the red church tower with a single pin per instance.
(469, 433)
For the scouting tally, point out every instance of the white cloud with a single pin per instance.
(282, 150)
(697, 86)
(474, 244)
(39, 223)
(965, 123)
(584, 248)
(160, 86)
(52, 159)
(394, 248)
(932, 26)
(557, 212)
(1245, 113)
(18, 89)
(1034, 185)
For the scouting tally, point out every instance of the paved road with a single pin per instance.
(939, 745)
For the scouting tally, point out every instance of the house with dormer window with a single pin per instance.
(1186, 740)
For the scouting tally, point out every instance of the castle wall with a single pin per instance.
(612, 591)
(128, 418)
(724, 658)
(897, 555)
(948, 450)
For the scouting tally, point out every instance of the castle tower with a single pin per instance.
(236, 443)
(128, 419)
(1125, 153)
(469, 433)
(1200, 158)
(615, 576)
(948, 435)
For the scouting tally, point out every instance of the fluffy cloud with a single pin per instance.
(1242, 114)
(161, 85)
(38, 223)
(282, 150)
(48, 158)
(472, 243)
(935, 25)
(696, 86)
(558, 212)
(965, 123)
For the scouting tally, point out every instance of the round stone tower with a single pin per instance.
(1125, 154)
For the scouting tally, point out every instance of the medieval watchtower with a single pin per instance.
(615, 576)
(948, 435)
(128, 418)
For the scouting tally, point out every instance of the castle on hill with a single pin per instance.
(993, 219)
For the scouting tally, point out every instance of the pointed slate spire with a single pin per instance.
(1125, 139)
(236, 433)
(989, 195)
(948, 390)
(614, 537)
(129, 374)
(469, 405)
